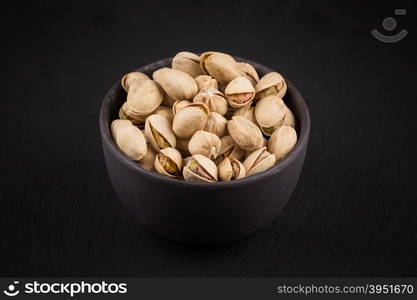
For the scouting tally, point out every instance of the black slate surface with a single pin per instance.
(354, 210)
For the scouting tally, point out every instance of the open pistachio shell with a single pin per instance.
(129, 139)
(178, 105)
(259, 161)
(187, 62)
(270, 113)
(271, 84)
(239, 92)
(134, 118)
(214, 99)
(132, 78)
(205, 143)
(159, 133)
(168, 162)
(200, 169)
(289, 118)
(143, 99)
(148, 161)
(206, 81)
(250, 72)
(231, 169)
(166, 112)
(186, 160)
(282, 141)
(190, 119)
(245, 133)
(229, 149)
(177, 84)
(220, 66)
(216, 124)
(247, 111)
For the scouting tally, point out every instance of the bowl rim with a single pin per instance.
(303, 136)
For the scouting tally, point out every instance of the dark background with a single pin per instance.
(354, 210)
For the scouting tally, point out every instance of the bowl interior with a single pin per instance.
(116, 96)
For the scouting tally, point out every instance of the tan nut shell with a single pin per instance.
(227, 171)
(166, 112)
(272, 79)
(148, 161)
(270, 113)
(190, 119)
(245, 133)
(132, 78)
(206, 81)
(168, 101)
(177, 84)
(178, 105)
(139, 120)
(247, 111)
(129, 139)
(220, 66)
(162, 126)
(214, 99)
(250, 72)
(289, 118)
(259, 161)
(182, 146)
(239, 86)
(187, 62)
(174, 156)
(205, 143)
(143, 99)
(216, 124)
(282, 141)
(206, 164)
(230, 148)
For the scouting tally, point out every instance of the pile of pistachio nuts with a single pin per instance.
(208, 118)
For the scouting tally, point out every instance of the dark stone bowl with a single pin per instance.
(198, 212)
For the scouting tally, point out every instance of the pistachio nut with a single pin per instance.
(214, 99)
(239, 92)
(216, 124)
(200, 169)
(168, 162)
(282, 141)
(143, 99)
(247, 111)
(187, 62)
(148, 161)
(178, 105)
(206, 81)
(186, 160)
(259, 161)
(132, 78)
(249, 72)
(205, 143)
(182, 146)
(289, 118)
(190, 119)
(220, 66)
(270, 113)
(231, 169)
(229, 149)
(159, 133)
(245, 133)
(271, 84)
(129, 139)
(166, 112)
(177, 84)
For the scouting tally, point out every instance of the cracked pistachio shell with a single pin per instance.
(129, 139)
(245, 133)
(206, 81)
(229, 149)
(259, 161)
(182, 146)
(270, 113)
(143, 99)
(282, 141)
(271, 84)
(148, 161)
(289, 118)
(168, 162)
(216, 124)
(200, 169)
(205, 143)
(239, 92)
(220, 66)
(190, 119)
(177, 84)
(214, 99)
(247, 111)
(159, 133)
(231, 169)
(166, 112)
(186, 160)
(187, 62)
(250, 73)
(178, 105)
(132, 78)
